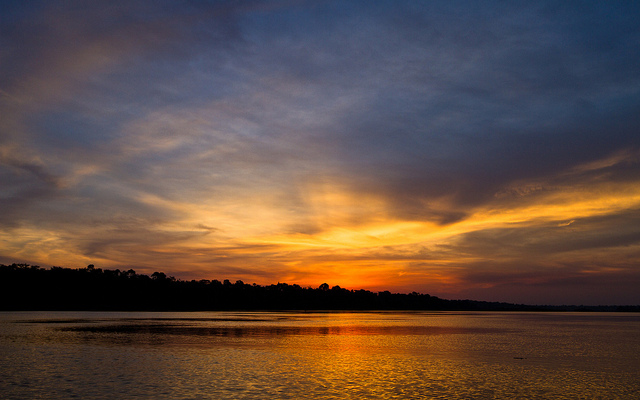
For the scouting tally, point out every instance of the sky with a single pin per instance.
(483, 150)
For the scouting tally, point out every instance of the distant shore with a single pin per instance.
(30, 287)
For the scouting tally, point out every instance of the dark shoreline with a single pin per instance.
(25, 287)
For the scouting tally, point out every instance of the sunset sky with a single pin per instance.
(483, 150)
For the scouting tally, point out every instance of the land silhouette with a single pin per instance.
(31, 287)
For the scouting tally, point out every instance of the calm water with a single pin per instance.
(61, 355)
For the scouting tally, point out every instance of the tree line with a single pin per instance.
(31, 287)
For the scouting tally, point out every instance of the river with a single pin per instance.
(336, 355)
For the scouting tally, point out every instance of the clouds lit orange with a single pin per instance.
(388, 146)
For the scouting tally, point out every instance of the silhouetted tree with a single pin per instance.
(25, 287)
(159, 276)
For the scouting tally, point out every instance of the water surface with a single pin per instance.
(95, 355)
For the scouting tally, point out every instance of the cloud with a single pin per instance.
(566, 223)
(389, 142)
(25, 181)
(595, 282)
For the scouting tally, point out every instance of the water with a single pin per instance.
(218, 355)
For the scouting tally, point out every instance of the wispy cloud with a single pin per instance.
(460, 148)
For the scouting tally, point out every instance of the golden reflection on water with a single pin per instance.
(349, 355)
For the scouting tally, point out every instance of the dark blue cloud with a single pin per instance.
(444, 98)
(436, 109)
